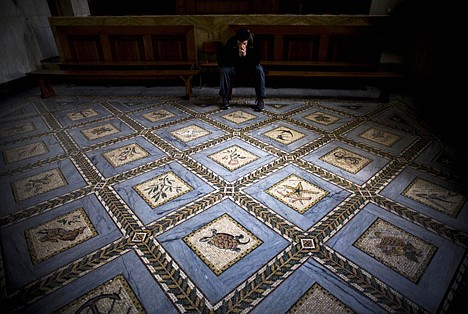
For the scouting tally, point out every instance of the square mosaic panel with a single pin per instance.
(435, 196)
(233, 157)
(113, 296)
(57, 235)
(221, 243)
(161, 189)
(396, 248)
(190, 133)
(25, 152)
(126, 154)
(346, 160)
(82, 114)
(380, 136)
(17, 129)
(158, 115)
(100, 131)
(284, 135)
(38, 184)
(322, 118)
(318, 300)
(239, 116)
(297, 193)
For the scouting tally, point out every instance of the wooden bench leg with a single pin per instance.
(188, 86)
(46, 88)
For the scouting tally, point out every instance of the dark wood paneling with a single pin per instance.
(300, 47)
(126, 43)
(127, 48)
(169, 48)
(86, 48)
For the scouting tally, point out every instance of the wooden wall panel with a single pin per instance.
(85, 48)
(169, 48)
(223, 7)
(352, 48)
(300, 47)
(266, 44)
(127, 48)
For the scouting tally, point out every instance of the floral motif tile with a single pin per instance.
(162, 189)
(17, 129)
(125, 154)
(380, 136)
(239, 116)
(233, 157)
(158, 115)
(159, 192)
(384, 138)
(346, 160)
(255, 158)
(26, 151)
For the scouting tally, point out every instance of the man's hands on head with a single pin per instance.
(242, 48)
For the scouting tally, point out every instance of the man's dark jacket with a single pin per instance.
(229, 54)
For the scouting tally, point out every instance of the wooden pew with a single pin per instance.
(123, 53)
(324, 52)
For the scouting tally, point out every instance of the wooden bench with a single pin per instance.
(325, 52)
(120, 52)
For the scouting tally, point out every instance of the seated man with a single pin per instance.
(241, 59)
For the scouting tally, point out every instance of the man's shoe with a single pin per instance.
(260, 105)
(225, 104)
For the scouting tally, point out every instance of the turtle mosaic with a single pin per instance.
(224, 241)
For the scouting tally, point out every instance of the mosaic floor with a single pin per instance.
(121, 203)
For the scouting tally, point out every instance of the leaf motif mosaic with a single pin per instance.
(25, 152)
(161, 189)
(158, 115)
(380, 136)
(435, 196)
(126, 154)
(233, 157)
(346, 160)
